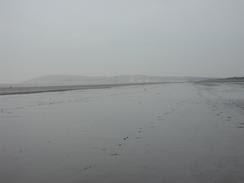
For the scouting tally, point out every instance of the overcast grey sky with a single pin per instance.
(112, 37)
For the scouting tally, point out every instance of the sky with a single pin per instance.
(120, 37)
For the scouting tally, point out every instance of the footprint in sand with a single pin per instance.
(126, 138)
(139, 131)
(241, 125)
(114, 154)
(229, 118)
(88, 167)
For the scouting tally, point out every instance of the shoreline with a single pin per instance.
(21, 90)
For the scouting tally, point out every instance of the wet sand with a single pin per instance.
(169, 133)
(18, 89)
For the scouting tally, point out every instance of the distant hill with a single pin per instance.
(55, 80)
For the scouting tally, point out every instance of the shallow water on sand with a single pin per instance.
(158, 133)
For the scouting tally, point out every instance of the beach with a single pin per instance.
(162, 133)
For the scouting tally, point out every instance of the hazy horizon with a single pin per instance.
(160, 38)
(77, 75)
(66, 77)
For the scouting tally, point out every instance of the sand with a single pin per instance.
(171, 133)
(29, 89)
